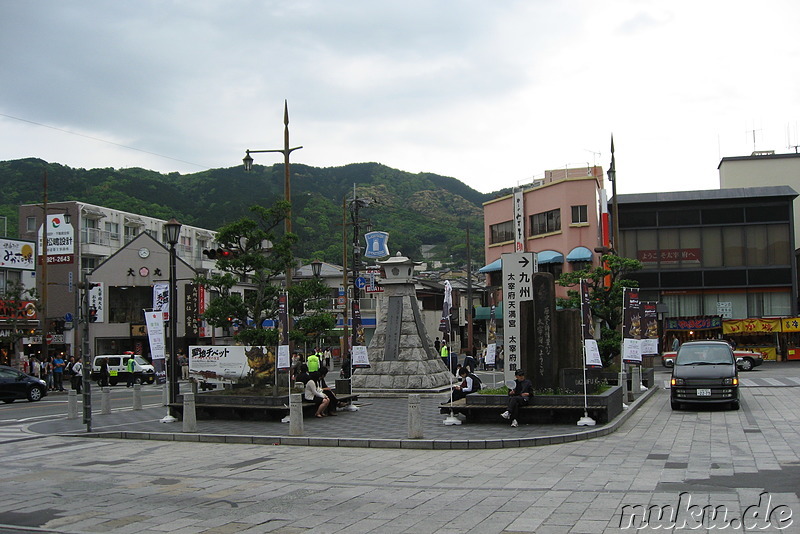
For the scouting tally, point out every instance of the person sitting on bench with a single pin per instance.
(469, 384)
(313, 393)
(521, 394)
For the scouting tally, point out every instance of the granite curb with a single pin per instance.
(423, 444)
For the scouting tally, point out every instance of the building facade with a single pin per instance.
(726, 252)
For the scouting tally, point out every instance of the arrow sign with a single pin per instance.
(524, 261)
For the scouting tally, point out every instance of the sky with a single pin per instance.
(493, 93)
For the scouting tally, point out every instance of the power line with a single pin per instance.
(103, 141)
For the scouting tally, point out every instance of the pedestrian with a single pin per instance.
(58, 372)
(328, 357)
(47, 373)
(77, 376)
(104, 374)
(470, 363)
(183, 361)
(675, 344)
(313, 362)
(130, 366)
(346, 370)
(519, 396)
(444, 352)
(437, 345)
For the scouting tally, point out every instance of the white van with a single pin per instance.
(144, 373)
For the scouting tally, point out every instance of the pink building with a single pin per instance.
(558, 217)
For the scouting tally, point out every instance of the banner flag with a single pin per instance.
(161, 299)
(631, 326)
(591, 351)
(155, 334)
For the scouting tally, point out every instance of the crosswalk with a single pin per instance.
(16, 432)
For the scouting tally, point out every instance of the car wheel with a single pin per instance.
(138, 380)
(35, 394)
(675, 405)
(747, 364)
(8, 401)
(735, 405)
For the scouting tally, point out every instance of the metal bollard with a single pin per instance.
(105, 400)
(414, 417)
(137, 396)
(72, 404)
(295, 414)
(189, 413)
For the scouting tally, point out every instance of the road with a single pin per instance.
(684, 464)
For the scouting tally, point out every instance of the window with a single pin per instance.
(502, 232)
(546, 222)
(579, 215)
(30, 224)
(553, 268)
(130, 233)
(113, 230)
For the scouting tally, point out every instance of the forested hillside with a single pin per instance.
(415, 209)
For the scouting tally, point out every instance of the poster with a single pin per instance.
(360, 357)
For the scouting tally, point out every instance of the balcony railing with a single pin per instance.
(95, 236)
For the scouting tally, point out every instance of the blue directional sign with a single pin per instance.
(361, 282)
(68, 317)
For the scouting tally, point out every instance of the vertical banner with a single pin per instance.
(97, 301)
(650, 334)
(358, 328)
(191, 297)
(444, 322)
(360, 357)
(283, 361)
(518, 269)
(155, 334)
(591, 352)
(631, 326)
(161, 299)
(519, 221)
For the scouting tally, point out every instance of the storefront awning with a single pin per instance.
(579, 254)
(550, 256)
(482, 313)
(496, 265)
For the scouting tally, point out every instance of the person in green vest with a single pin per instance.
(444, 352)
(131, 368)
(313, 363)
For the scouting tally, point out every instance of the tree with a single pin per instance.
(259, 255)
(606, 283)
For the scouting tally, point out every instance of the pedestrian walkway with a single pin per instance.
(379, 422)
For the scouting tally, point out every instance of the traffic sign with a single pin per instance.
(68, 317)
(361, 282)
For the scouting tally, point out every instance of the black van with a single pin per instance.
(704, 372)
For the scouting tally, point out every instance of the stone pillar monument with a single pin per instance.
(400, 354)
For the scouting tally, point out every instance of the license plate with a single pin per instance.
(703, 392)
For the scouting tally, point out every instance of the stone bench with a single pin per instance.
(236, 408)
(529, 413)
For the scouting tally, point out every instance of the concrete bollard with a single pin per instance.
(72, 404)
(189, 413)
(165, 394)
(623, 383)
(137, 396)
(636, 381)
(105, 400)
(295, 414)
(414, 417)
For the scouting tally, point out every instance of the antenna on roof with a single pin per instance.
(789, 144)
(753, 131)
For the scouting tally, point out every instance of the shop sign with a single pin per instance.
(16, 254)
(751, 326)
(790, 324)
(670, 255)
(17, 309)
(693, 323)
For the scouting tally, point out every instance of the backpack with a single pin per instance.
(476, 382)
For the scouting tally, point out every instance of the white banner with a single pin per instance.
(97, 301)
(592, 353)
(360, 357)
(155, 333)
(632, 350)
(283, 357)
(15, 254)
(491, 353)
(161, 298)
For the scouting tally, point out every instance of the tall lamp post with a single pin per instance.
(287, 186)
(173, 230)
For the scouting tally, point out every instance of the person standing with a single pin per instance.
(77, 376)
(58, 373)
(313, 363)
(519, 396)
(104, 374)
(131, 368)
(437, 345)
(327, 355)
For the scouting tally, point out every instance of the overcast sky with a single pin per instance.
(490, 92)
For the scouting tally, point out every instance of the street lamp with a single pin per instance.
(316, 268)
(173, 230)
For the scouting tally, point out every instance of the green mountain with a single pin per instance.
(415, 209)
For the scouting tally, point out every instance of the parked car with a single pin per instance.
(17, 385)
(144, 373)
(746, 360)
(668, 359)
(704, 372)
